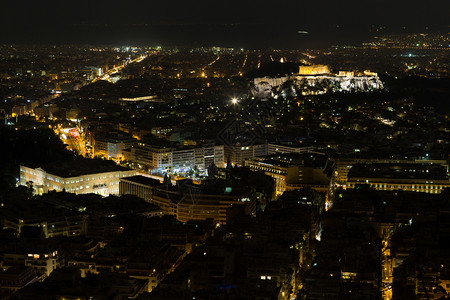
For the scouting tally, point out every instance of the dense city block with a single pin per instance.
(163, 172)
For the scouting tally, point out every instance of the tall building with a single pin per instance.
(112, 144)
(238, 154)
(153, 157)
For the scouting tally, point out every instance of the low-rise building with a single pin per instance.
(52, 226)
(43, 256)
(176, 159)
(79, 177)
(282, 172)
(292, 171)
(342, 166)
(44, 261)
(196, 207)
(188, 201)
(424, 178)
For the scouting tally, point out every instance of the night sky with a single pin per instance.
(202, 23)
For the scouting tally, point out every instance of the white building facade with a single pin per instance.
(102, 183)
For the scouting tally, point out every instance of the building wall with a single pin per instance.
(100, 148)
(183, 159)
(219, 157)
(152, 157)
(133, 188)
(44, 263)
(205, 156)
(412, 185)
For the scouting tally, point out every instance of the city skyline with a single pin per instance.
(179, 150)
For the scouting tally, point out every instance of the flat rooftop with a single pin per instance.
(80, 166)
(143, 180)
(290, 144)
(399, 171)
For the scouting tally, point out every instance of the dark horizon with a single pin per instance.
(237, 35)
(227, 24)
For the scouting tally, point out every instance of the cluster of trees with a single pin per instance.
(32, 147)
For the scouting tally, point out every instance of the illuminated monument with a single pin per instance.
(313, 70)
(317, 79)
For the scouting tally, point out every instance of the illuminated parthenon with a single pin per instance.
(318, 79)
(313, 70)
